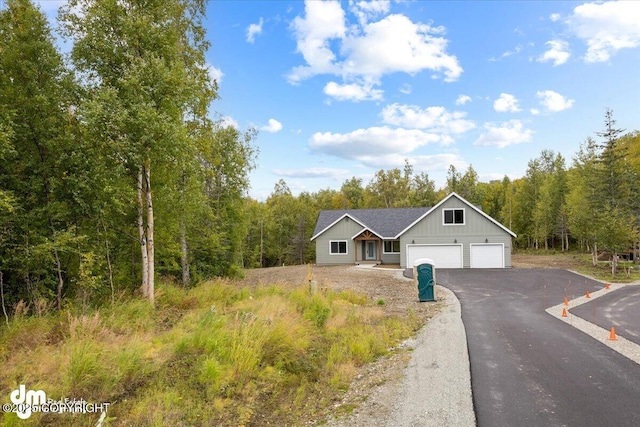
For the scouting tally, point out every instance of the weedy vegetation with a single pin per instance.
(215, 354)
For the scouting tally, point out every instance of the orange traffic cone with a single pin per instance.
(564, 312)
(588, 295)
(612, 334)
(607, 286)
(566, 301)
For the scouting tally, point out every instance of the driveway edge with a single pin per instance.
(627, 348)
(436, 389)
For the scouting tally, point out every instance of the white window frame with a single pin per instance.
(346, 247)
(464, 216)
(384, 247)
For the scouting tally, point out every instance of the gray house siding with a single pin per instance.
(476, 229)
(344, 229)
(390, 258)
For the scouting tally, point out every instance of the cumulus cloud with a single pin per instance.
(370, 49)
(273, 126)
(504, 134)
(382, 141)
(253, 30)
(215, 73)
(396, 44)
(553, 101)
(554, 17)
(606, 27)
(323, 22)
(558, 52)
(436, 119)
(228, 121)
(366, 10)
(352, 92)
(463, 99)
(506, 103)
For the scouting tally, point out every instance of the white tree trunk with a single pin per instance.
(150, 243)
(184, 257)
(143, 239)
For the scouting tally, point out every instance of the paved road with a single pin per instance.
(620, 309)
(528, 368)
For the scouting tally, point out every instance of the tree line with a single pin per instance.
(591, 204)
(113, 173)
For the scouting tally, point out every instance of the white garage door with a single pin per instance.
(443, 256)
(487, 255)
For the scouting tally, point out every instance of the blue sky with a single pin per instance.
(342, 89)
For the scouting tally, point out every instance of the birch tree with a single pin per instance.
(144, 69)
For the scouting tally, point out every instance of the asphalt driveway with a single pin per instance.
(530, 369)
(619, 309)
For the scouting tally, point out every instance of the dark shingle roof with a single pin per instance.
(386, 223)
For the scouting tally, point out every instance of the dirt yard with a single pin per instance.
(382, 285)
(566, 261)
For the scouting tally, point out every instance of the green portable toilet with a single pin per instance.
(424, 273)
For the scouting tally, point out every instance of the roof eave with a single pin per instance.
(346, 214)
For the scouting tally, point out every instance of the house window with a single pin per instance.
(453, 216)
(338, 247)
(392, 246)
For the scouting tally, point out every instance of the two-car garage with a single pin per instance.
(481, 255)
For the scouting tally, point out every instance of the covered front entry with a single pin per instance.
(368, 248)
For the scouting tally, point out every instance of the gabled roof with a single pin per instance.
(385, 223)
(463, 200)
(390, 223)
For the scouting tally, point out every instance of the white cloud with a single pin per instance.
(534, 112)
(368, 50)
(253, 30)
(323, 22)
(436, 119)
(606, 27)
(493, 176)
(508, 53)
(215, 73)
(558, 52)
(227, 121)
(506, 103)
(504, 134)
(366, 10)
(553, 101)
(353, 92)
(273, 126)
(313, 173)
(554, 17)
(381, 141)
(396, 44)
(463, 99)
(406, 89)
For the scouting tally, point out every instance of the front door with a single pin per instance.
(370, 253)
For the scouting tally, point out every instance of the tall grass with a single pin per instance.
(212, 355)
